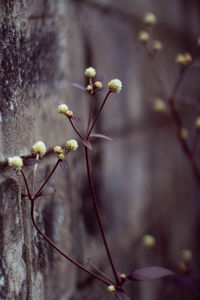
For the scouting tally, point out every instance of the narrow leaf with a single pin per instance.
(87, 144)
(78, 86)
(121, 296)
(101, 136)
(31, 161)
(63, 166)
(47, 191)
(149, 273)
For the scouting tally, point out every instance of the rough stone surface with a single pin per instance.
(143, 182)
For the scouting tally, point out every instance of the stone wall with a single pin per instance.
(143, 181)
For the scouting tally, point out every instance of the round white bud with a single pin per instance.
(62, 108)
(149, 241)
(15, 162)
(90, 72)
(115, 85)
(39, 148)
(72, 145)
(150, 19)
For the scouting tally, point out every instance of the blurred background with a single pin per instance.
(144, 182)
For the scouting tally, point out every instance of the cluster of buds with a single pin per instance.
(92, 87)
(114, 85)
(184, 59)
(71, 145)
(64, 109)
(144, 36)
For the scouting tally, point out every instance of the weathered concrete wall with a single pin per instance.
(142, 178)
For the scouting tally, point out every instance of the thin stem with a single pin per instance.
(97, 115)
(98, 216)
(61, 252)
(47, 179)
(74, 127)
(100, 272)
(90, 113)
(26, 184)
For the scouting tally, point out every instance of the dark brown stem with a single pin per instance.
(61, 252)
(46, 180)
(74, 127)
(26, 184)
(98, 216)
(97, 115)
(90, 113)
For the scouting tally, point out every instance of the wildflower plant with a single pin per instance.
(115, 284)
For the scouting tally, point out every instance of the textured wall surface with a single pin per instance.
(144, 183)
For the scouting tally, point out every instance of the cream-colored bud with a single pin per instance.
(61, 156)
(197, 123)
(15, 162)
(69, 113)
(58, 149)
(184, 59)
(89, 88)
(72, 145)
(186, 255)
(183, 133)
(90, 72)
(115, 85)
(143, 36)
(188, 58)
(39, 148)
(160, 106)
(111, 289)
(123, 276)
(198, 41)
(98, 84)
(149, 241)
(150, 19)
(62, 108)
(157, 45)
(180, 59)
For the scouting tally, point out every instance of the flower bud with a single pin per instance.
(160, 106)
(39, 148)
(115, 85)
(143, 36)
(186, 255)
(15, 162)
(157, 45)
(111, 288)
(62, 108)
(123, 276)
(72, 145)
(90, 72)
(150, 19)
(98, 84)
(149, 241)
(58, 149)
(197, 123)
(69, 113)
(183, 133)
(61, 156)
